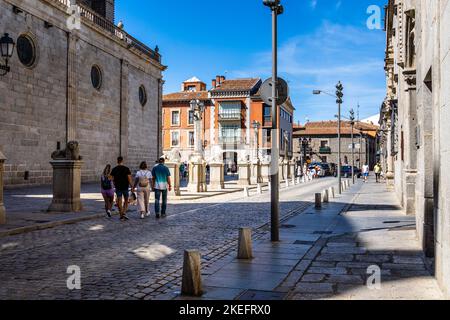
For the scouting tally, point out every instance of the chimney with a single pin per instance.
(222, 79)
(214, 83)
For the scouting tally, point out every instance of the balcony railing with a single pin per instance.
(231, 140)
(88, 14)
(230, 116)
(325, 150)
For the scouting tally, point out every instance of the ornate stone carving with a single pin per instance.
(71, 152)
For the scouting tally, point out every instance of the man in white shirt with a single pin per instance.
(365, 171)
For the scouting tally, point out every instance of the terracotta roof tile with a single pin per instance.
(237, 85)
(331, 127)
(186, 96)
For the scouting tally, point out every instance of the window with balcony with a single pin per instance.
(230, 134)
(176, 118)
(230, 110)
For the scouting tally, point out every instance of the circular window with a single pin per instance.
(26, 50)
(96, 77)
(142, 95)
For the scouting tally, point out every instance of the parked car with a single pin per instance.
(346, 171)
(324, 168)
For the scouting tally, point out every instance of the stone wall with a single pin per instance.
(54, 100)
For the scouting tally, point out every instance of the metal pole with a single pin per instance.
(339, 150)
(275, 197)
(353, 155)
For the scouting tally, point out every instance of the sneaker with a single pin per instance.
(108, 213)
(164, 215)
(142, 215)
(125, 218)
(158, 216)
(148, 214)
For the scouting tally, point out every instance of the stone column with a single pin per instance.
(292, 169)
(265, 172)
(256, 176)
(174, 168)
(216, 176)
(2, 206)
(197, 175)
(244, 173)
(66, 186)
(281, 170)
(390, 159)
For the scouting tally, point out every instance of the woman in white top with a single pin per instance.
(143, 185)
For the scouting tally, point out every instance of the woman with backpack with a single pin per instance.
(107, 189)
(142, 184)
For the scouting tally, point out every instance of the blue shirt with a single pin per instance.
(160, 173)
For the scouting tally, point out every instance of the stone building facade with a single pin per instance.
(415, 121)
(324, 143)
(93, 83)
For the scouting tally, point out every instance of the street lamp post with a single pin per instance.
(276, 9)
(339, 95)
(6, 51)
(256, 126)
(352, 122)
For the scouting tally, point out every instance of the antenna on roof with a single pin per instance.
(357, 113)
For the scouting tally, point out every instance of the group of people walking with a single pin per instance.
(119, 183)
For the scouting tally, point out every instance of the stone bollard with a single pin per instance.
(326, 197)
(343, 186)
(192, 276)
(259, 188)
(245, 250)
(331, 192)
(299, 181)
(287, 183)
(318, 202)
(294, 181)
(246, 192)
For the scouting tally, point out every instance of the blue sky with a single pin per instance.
(320, 43)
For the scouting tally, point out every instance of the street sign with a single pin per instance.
(282, 89)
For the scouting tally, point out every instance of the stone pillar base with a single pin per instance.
(66, 186)
(216, 176)
(197, 177)
(244, 173)
(174, 168)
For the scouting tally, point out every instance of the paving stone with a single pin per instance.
(328, 271)
(373, 258)
(314, 288)
(335, 257)
(398, 266)
(408, 260)
(349, 279)
(323, 264)
(313, 277)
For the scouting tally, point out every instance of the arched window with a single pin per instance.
(96, 77)
(26, 50)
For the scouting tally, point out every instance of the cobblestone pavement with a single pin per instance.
(137, 259)
(376, 234)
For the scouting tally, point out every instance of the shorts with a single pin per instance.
(366, 174)
(123, 193)
(108, 193)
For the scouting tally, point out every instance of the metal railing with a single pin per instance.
(88, 14)
(231, 140)
(230, 115)
(325, 150)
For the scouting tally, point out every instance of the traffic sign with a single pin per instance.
(282, 90)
